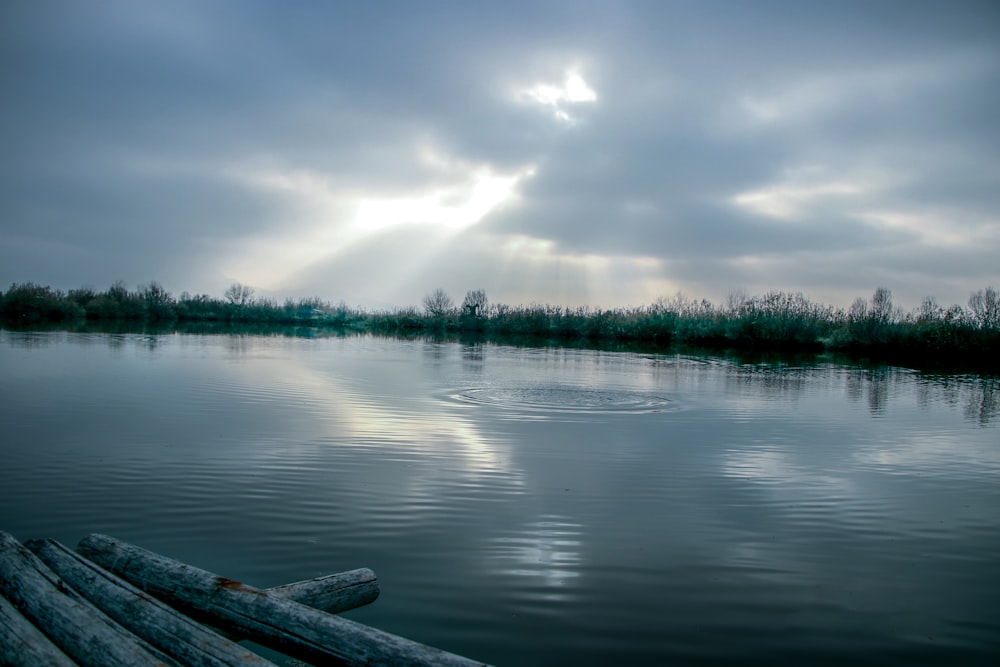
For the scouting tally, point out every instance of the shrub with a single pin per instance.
(32, 302)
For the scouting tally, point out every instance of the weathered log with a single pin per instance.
(165, 628)
(24, 645)
(287, 626)
(333, 593)
(79, 629)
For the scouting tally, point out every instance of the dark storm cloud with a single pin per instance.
(908, 95)
(137, 135)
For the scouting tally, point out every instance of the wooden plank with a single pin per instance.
(170, 631)
(333, 593)
(24, 645)
(295, 629)
(78, 628)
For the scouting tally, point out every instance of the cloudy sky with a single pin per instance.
(567, 152)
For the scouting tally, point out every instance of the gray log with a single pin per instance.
(170, 631)
(287, 626)
(78, 628)
(334, 592)
(23, 645)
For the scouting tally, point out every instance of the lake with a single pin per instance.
(533, 506)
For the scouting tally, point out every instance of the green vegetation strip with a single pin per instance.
(777, 321)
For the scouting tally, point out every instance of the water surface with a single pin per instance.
(533, 506)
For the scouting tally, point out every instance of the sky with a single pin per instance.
(570, 153)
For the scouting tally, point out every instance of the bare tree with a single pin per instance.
(985, 307)
(880, 309)
(438, 303)
(859, 310)
(736, 300)
(239, 295)
(929, 311)
(475, 303)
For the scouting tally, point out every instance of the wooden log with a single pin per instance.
(24, 645)
(333, 593)
(292, 628)
(170, 631)
(79, 629)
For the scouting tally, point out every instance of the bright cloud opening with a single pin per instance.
(328, 221)
(573, 90)
(454, 207)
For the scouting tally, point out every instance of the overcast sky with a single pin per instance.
(600, 153)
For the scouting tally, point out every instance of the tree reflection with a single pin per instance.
(876, 386)
(982, 405)
(878, 390)
(473, 356)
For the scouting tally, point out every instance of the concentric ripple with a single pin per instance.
(567, 400)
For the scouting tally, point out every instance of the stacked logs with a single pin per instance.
(113, 603)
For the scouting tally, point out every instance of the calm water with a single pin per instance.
(533, 506)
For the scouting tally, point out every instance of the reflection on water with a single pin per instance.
(872, 386)
(533, 505)
(547, 549)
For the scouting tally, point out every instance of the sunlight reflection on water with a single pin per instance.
(528, 505)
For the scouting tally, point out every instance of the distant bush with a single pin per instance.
(199, 307)
(775, 321)
(159, 305)
(778, 320)
(31, 302)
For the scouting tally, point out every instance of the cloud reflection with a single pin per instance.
(363, 413)
(547, 550)
(777, 468)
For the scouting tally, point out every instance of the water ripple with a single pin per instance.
(573, 400)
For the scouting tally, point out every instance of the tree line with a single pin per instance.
(772, 321)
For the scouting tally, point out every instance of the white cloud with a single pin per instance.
(788, 202)
(809, 190)
(936, 229)
(810, 98)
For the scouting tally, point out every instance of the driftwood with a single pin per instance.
(79, 629)
(190, 642)
(285, 625)
(23, 645)
(333, 593)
